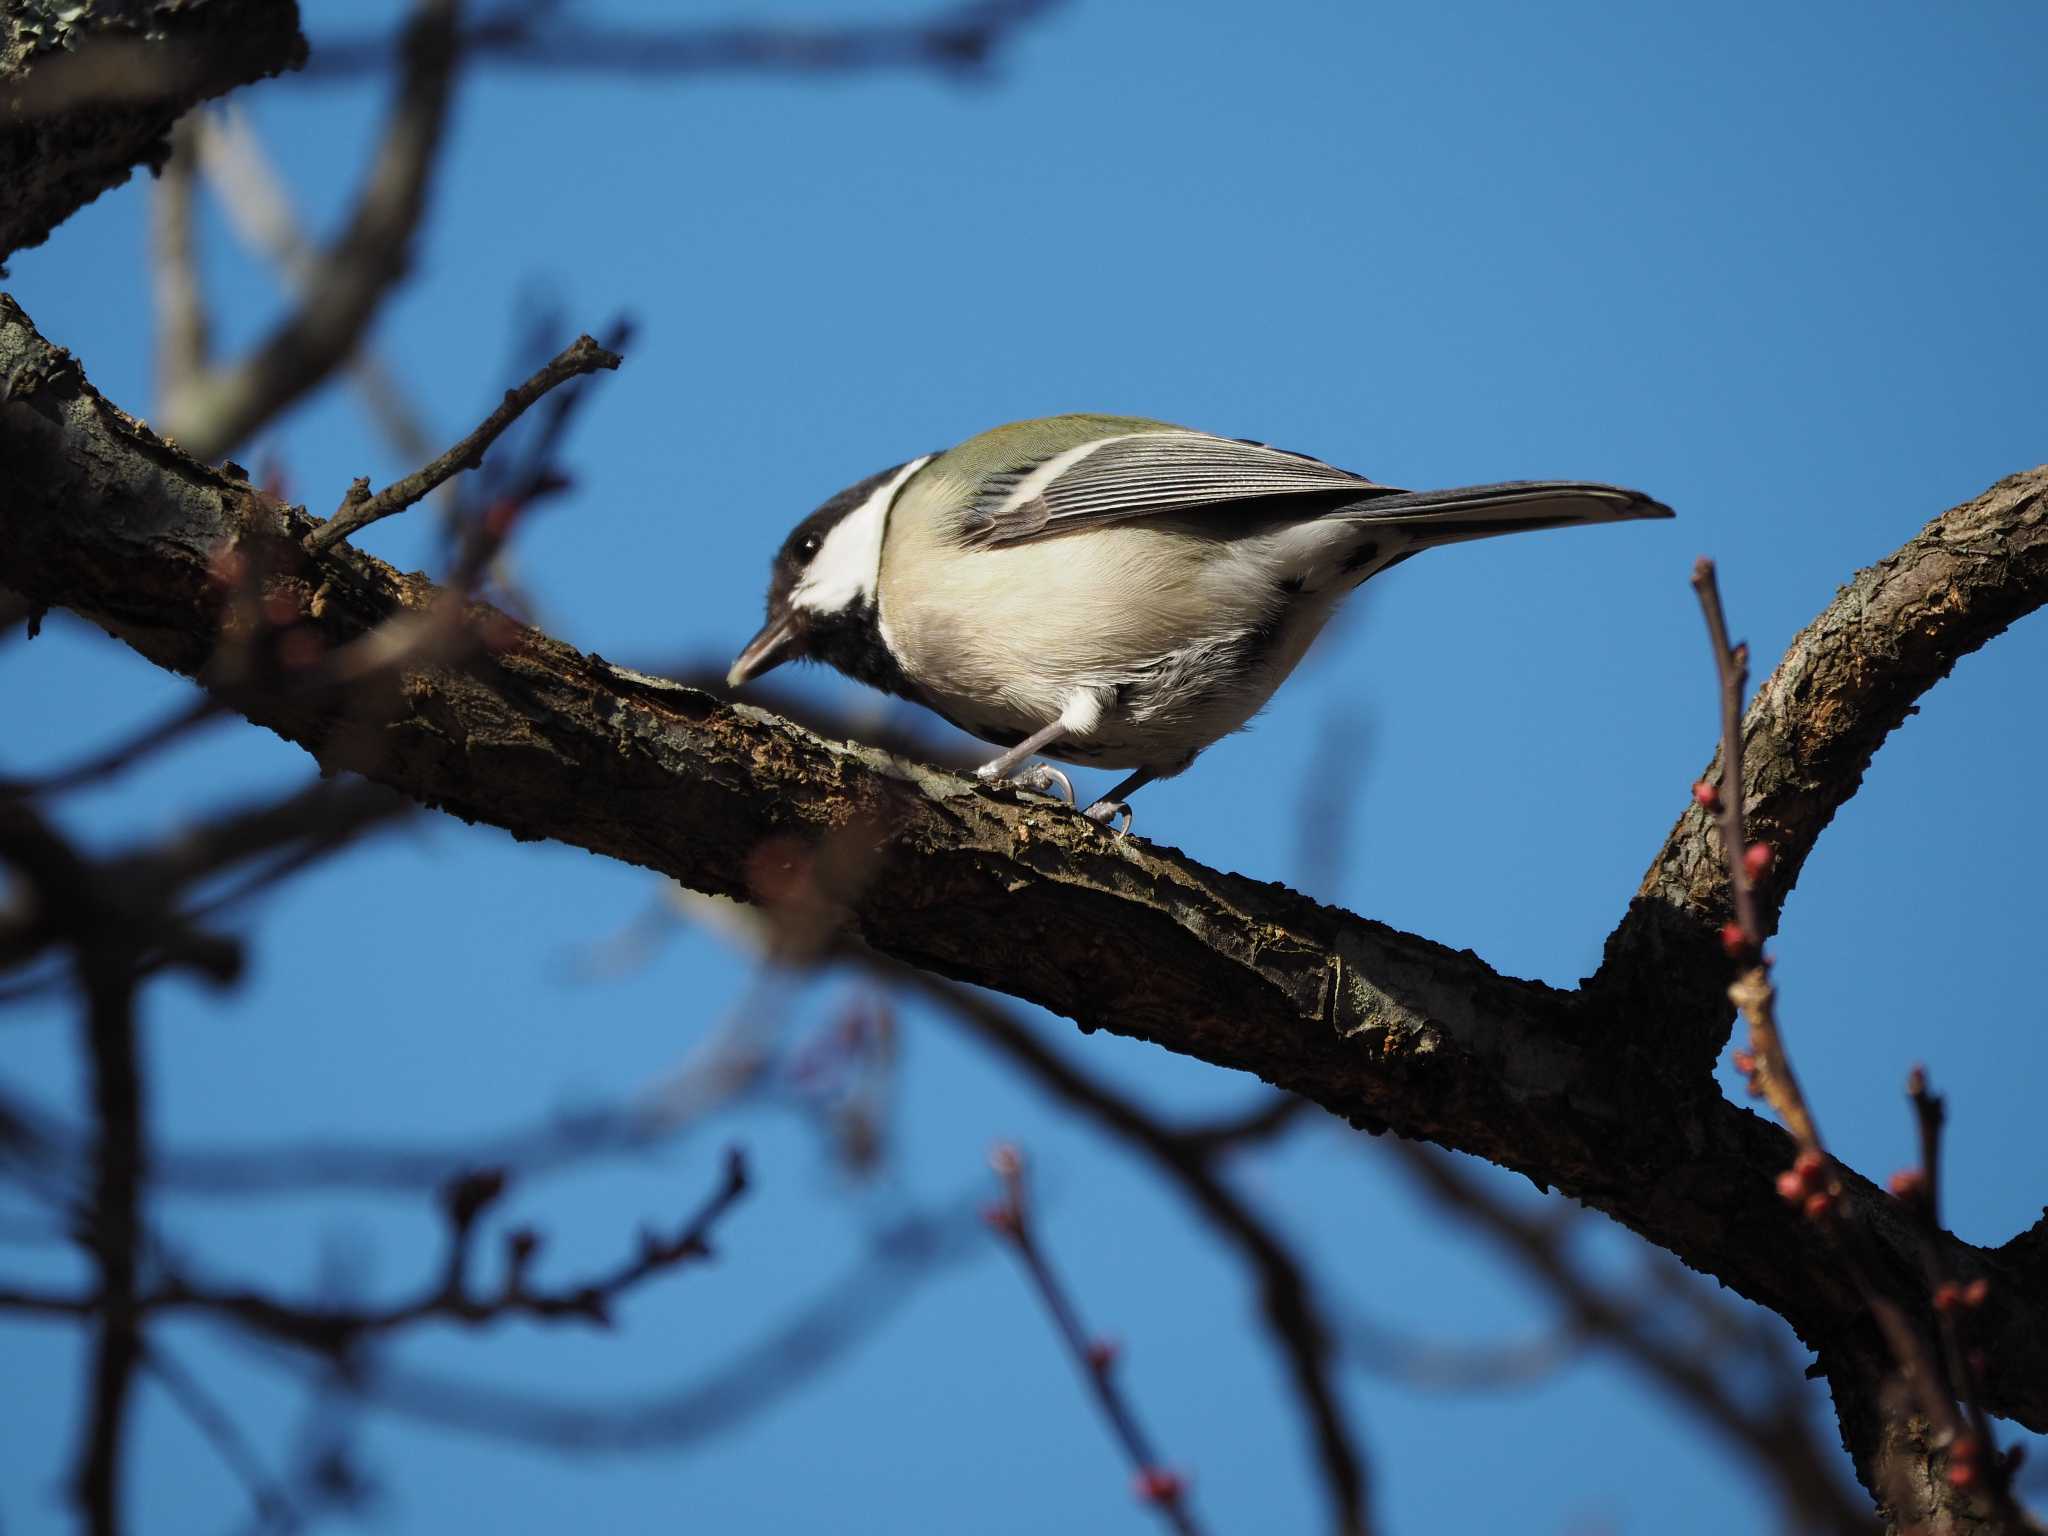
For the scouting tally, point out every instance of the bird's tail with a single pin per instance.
(1480, 511)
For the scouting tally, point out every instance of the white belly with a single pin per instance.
(1178, 651)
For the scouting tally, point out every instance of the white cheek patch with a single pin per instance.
(848, 565)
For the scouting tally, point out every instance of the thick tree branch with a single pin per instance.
(1848, 680)
(89, 92)
(1382, 1028)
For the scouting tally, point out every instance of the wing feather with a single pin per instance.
(1145, 474)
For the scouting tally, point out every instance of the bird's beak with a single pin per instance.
(781, 639)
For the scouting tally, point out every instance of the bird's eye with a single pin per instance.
(809, 545)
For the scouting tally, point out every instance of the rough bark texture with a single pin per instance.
(1604, 1093)
(88, 93)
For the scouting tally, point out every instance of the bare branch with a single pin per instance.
(1751, 991)
(1897, 1465)
(1096, 1359)
(851, 1309)
(581, 356)
(339, 1330)
(1382, 1028)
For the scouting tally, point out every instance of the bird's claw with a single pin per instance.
(1105, 812)
(1039, 778)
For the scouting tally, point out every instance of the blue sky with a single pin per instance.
(1779, 266)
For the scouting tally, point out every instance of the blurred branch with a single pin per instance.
(959, 39)
(1394, 1357)
(1188, 1159)
(89, 91)
(272, 1503)
(1095, 1358)
(901, 1256)
(183, 341)
(221, 407)
(1777, 1438)
(173, 726)
(339, 1330)
(107, 980)
(258, 207)
(728, 1068)
(1582, 1091)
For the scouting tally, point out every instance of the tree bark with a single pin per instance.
(89, 92)
(1605, 1093)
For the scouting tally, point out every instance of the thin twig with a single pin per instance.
(356, 512)
(272, 1504)
(900, 1258)
(1751, 991)
(1162, 1488)
(1188, 1157)
(1962, 1432)
(337, 1330)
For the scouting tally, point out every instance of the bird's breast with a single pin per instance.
(1182, 641)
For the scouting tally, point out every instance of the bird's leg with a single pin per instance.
(1112, 805)
(1081, 713)
(1042, 777)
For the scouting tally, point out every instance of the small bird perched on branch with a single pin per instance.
(1109, 590)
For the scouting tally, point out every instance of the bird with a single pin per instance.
(1109, 591)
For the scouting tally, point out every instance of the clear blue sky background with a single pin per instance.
(1780, 266)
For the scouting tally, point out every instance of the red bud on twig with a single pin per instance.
(1160, 1485)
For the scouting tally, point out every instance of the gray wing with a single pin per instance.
(1146, 474)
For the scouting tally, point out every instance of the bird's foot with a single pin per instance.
(1039, 778)
(1105, 812)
